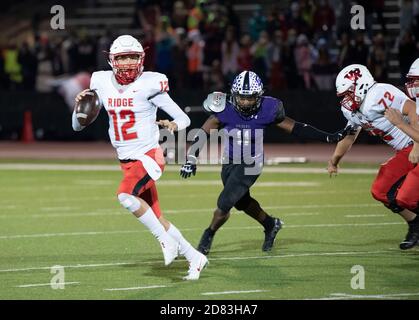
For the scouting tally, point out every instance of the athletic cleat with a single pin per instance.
(199, 263)
(206, 241)
(412, 237)
(170, 251)
(271, 234)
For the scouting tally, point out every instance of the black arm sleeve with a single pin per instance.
(305, 131)
(280, 112)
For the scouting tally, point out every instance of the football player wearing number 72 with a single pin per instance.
(131, 97)
(373, 107)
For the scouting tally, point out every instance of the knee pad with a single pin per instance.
(129, 202)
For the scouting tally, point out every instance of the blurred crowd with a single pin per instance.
(204, 43)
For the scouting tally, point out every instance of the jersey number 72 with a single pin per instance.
(388, 97)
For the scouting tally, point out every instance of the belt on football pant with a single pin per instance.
(127, 160)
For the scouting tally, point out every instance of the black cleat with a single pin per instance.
(271, 234)
(206, 241)
(412, 237)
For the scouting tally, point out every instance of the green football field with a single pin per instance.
(337, 242)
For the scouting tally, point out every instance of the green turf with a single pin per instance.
(72, 219)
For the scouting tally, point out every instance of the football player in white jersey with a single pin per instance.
(131, 97)
(364, 103)
(412, 88)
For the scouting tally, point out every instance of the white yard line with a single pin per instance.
(219, 183)
(43, 284)
(231, 292)
(169, 168)
(90, 233)
(364, 215)
(135, 288)
(378, 296)
(93, 233)
(208, 210)
(113, 264)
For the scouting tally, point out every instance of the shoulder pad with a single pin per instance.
(157, 83)
(215, 102)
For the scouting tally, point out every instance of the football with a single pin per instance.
(88, 108)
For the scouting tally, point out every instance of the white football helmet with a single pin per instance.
(412, 76)
(126, 45)
(352, 84)
(247, 85)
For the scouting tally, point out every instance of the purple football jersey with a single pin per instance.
(244, 135)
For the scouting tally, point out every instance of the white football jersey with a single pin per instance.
(370, 115)
(132, 111)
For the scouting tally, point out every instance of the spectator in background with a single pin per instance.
(307, 11)
(259, 52)
(359, 52)
(324, 70)
(343, 59)
(148, 40)
(196, 15)
(195, 58)
(216, 78)
(180, 67)
(229, 55)
(323, 19)
(147, 15)
(57, 63)
(304, 59)
(407, 53)
(245, 58)
(257, 23)
(179, 16)
(86, 53)
(27, 59)
(378, 58)
(164, 47)
(213, 35)
(276, 74)
(12, 68)
(296, 21)
(288, 60)
(103, 45)
(233, 18)
(274, 20)
(69, 53)
(343, 17)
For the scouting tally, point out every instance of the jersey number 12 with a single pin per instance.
(127, 118)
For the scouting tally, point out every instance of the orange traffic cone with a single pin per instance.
(27, 131)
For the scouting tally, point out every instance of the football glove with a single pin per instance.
(188, 168)
(339, 135)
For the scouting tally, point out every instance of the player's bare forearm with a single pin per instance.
(410, 131)
(411, 128)
(287, 124)
(201, 137)
(211, 123)
(343, 147)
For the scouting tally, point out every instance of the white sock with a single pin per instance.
(153, 224)
(186, 248)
